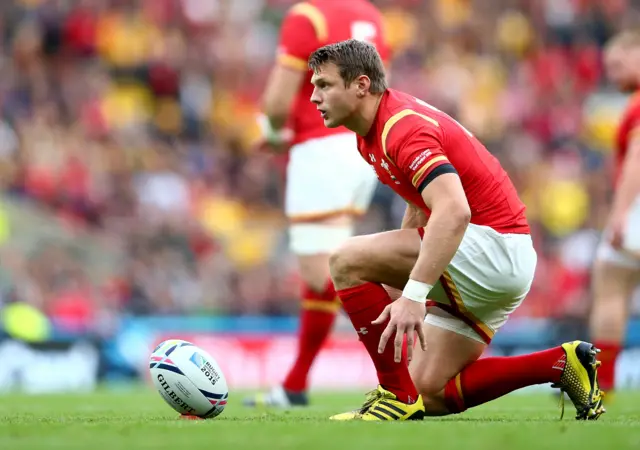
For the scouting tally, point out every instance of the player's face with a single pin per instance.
(335, 101)
(622, 68)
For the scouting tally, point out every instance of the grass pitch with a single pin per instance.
(140, 419)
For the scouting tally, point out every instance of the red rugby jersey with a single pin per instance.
(628, 127)
(311, 25)
(409, 139)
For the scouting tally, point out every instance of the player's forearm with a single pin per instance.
(279, 95)
(442, 237)
(274, 118)
(629, 188)
(277, 119)
(413, 217)
(277, 116)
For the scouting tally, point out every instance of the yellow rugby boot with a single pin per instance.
(382, 405)
(580, 380)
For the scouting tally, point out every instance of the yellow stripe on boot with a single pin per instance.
(382, 405)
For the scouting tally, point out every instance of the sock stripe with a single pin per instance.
(390, 406)
(459, 388)
(317, 315)
(330, 306)
(453, 398)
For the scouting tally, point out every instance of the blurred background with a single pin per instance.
(133, 209)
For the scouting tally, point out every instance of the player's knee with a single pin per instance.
(345, 263)
(429, 387)
(426, 380)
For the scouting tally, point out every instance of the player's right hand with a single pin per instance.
(405, 317)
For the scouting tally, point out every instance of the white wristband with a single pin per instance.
(416, 291)
(273, 136)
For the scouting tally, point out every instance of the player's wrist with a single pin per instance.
(271, 134)
(417, 291)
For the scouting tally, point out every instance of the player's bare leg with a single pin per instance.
(318, 309)
(613, 287)
(448, 375)
(447, 354)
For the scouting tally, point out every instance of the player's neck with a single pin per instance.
(363, 119)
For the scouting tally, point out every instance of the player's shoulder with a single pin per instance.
(302, 8)
(406, 114)
(337, 13)
(309, 12)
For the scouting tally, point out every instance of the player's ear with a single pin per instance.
(363, 83)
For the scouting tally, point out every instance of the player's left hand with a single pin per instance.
(405, 317)
(273, 140)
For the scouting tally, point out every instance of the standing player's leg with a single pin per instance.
(328, 183)
(615, 276)
(319, 303)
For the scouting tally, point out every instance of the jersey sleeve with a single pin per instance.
(300, 35)
(415, 147)
(634, 120)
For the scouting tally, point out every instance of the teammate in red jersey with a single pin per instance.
(327, 182)
(616, 271)
(464, 245)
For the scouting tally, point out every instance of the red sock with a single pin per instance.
(607, 371)
(317, 316)
(364, 304)
(489, 378)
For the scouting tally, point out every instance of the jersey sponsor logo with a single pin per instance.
(419, 159)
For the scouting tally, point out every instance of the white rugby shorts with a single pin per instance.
(631, 242)
(326, 177)
(487, 279)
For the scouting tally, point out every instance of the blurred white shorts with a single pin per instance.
(326, 177)
(631, 243)
(488, 278)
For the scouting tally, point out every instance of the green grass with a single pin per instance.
(140, 419)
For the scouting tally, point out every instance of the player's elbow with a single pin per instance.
(461, 217)
(457, 213)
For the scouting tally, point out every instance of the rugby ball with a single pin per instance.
(188, 379)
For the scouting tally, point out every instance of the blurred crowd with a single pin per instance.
(131, 122)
